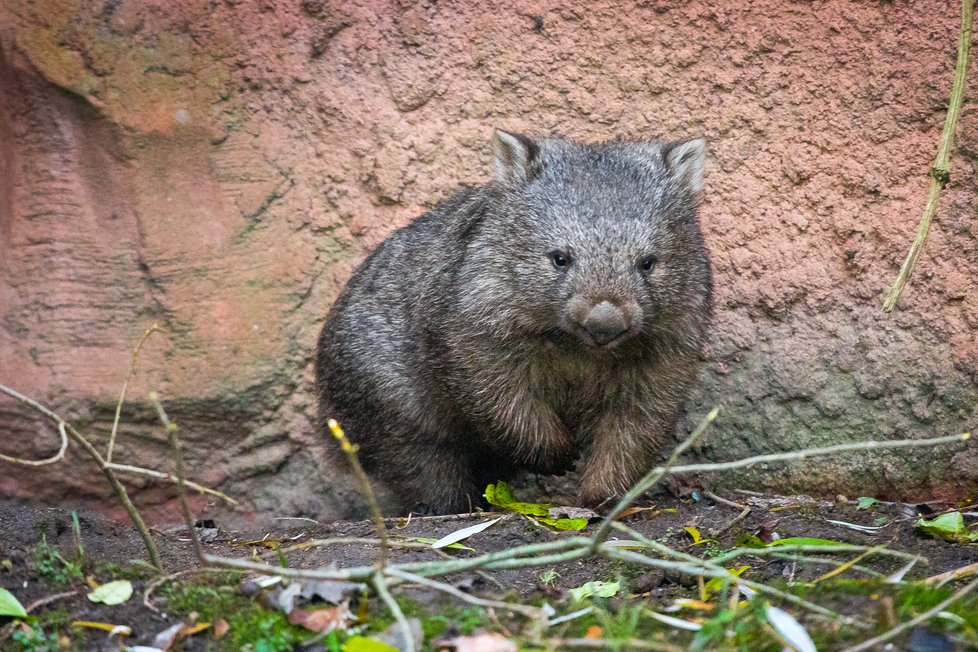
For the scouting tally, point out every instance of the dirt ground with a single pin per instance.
(28, 531)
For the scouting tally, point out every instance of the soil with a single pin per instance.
(109, 548)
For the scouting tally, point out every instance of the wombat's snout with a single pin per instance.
(605, 322)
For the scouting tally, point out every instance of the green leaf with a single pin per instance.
(697, 537)
(595, 589)
(112, 593)
(750, 541)
(949, 526)
(501, 495)
(10, 606)
(865, 502)
(805, 541)
(565, 523)
(717, 582)
(364, 644)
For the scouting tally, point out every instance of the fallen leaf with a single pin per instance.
(653, 511)
(220, 628)
(565, 523)
(10, 606)
(284, 599)
(948, 526)
(865, 502)
(112, 593)
(253, 585)
(572, 513)
(365, 644)
(171, 635)
(501, 495)
(328, 591)
(597, 589)
(165, 639)
(805, 541)
(190, 630)
(320, 620)
(868, 529)
(393, 636)
(593, 632)
(113, 630)
(697, 537)
(688, 603)
(464, 533)
(790, 631)
(480, 643)
(675, 622)
(717, 582)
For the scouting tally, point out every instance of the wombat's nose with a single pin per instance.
(605, 322)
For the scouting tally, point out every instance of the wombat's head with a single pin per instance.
(597, 245)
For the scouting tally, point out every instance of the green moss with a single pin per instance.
(251, 627)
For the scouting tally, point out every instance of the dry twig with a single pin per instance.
(940, 172)
(117, 487)
(172, 431)
(125, 387)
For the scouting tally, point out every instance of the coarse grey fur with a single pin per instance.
(556, 312)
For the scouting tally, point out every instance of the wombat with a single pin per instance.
(553, 314)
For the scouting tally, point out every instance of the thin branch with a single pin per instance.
(713, 569)
(836, 548)
(172, 431)
(125, 387)
(117, 487)
(924, 617)
(49, 599)
(138, 470)
(707, 569)
(609, 644)
(49, 460)
(535, 613)
(806, 559)
(842, 568)
(381, 585)
(940, 172)
(955, 574)
(351, 453)
(812, 452)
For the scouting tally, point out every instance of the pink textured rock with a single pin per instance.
(220, 168)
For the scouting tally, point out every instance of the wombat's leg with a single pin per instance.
(538, 440)
(623, 449)
(435, 478)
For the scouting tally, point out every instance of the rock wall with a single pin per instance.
(220, 167)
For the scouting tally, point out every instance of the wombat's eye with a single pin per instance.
(559, 259)
(648, 263)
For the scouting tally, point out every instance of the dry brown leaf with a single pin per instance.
(481, 643)
(320, 620)
(220, 628)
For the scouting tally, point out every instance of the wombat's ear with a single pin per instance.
(684, 159)
(517, 157)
